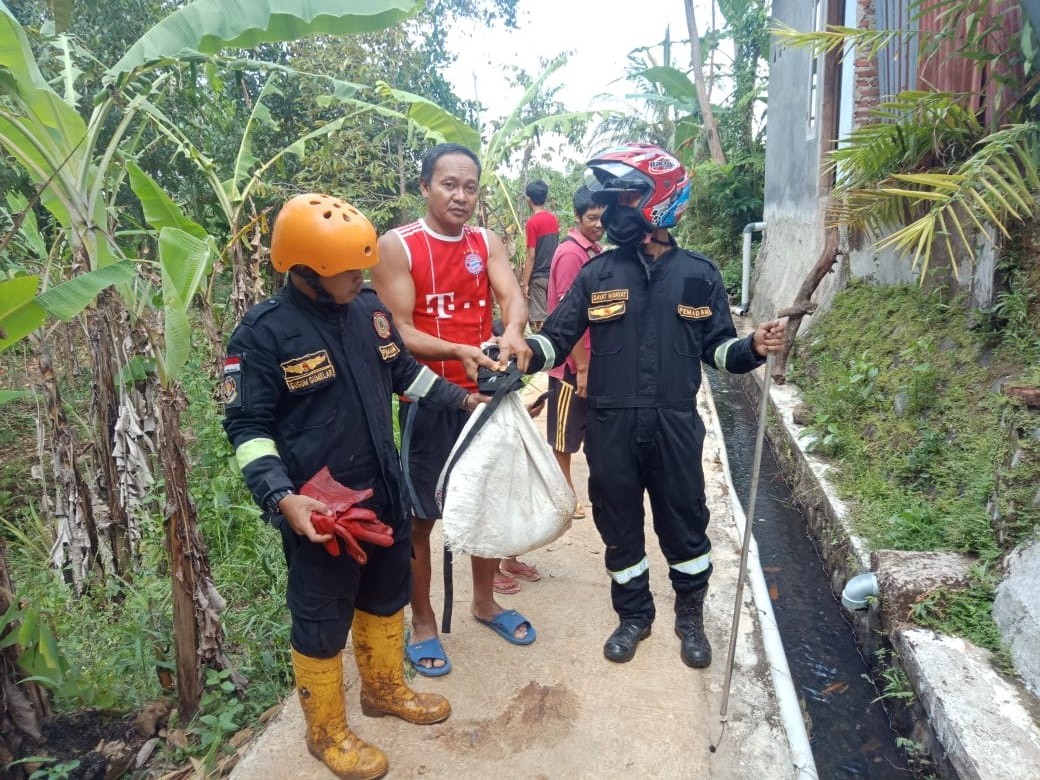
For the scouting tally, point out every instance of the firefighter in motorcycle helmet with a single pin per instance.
(326, 243)
(643, 187)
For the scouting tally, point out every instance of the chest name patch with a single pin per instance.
(389, 351)
(604, 296)
(610, 311)
(308, 370)
(694, 312)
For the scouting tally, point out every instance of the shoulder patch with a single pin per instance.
(230, 390)
(381, 324)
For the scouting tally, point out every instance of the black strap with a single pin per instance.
(513, 377)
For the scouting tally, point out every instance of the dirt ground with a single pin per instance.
(557, 708)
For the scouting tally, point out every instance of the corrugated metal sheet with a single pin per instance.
(988, 81)
(897, 61)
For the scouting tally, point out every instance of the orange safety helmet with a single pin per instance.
(323, 233)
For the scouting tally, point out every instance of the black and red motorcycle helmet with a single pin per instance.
(643, 168)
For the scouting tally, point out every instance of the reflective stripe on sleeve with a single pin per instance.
(722, 352)
(694, 565)
(254, 449)
(421, 385)
(626, 575)
(548, 351)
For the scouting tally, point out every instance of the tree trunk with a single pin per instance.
(23, 704)
(76, 538)
(802, 303)
(106, 342)
(198, 635)
(707, 117)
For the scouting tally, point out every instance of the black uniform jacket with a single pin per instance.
(651, 324)
(308, 385)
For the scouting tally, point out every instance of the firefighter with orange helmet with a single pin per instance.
(307, 384)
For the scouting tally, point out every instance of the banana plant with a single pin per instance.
(78, 164)
(511, 136)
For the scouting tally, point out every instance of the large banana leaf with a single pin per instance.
(207, 26)
(20, 314)
(431, 117)
(68, 299)
(159, 209)
(185, 261)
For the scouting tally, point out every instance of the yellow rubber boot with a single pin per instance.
(379, 652)
(319, 683)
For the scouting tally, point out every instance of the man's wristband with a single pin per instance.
(275, 498)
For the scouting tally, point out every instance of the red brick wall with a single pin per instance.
(865, 90)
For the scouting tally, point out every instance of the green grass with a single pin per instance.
(113, 643)
(904, 404)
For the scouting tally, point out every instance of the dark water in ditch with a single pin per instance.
(850, 733)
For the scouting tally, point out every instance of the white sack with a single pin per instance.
(506, 494)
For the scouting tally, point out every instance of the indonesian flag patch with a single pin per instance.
(230, 387)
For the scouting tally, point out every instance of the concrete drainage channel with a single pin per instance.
(849, 731)
(968, 719)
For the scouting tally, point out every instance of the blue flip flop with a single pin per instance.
(430, 650)
(507, 622)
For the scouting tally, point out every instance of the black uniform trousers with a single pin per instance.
(324, 590)
(656, 450)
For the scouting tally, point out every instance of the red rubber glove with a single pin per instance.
(348, 522)
(357, 523)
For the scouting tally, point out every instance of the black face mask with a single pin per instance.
(312, 280)
(625, 225)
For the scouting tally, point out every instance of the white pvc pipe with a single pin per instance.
(745, 281)
(859, 590)
(787, 697)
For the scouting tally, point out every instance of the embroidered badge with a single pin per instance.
(229, 394)
(389, 351)
(609, 295)
(309, 370)
(474, 263)
(381, 324)
(610, 311)
(694, 312)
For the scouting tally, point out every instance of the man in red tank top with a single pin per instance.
(439, 277)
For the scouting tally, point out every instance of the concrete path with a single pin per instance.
(557, 708)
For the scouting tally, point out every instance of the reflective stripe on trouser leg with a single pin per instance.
(675, 483)
(695, 565)
(616, 494)
(625, 576)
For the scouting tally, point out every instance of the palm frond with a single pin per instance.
(836, 37)
(997, 184)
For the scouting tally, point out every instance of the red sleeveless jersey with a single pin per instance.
(452, 290)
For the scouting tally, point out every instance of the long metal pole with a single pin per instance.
(763, 408)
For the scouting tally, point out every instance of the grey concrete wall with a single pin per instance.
(793, 210)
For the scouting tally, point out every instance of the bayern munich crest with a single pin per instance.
(474, 263)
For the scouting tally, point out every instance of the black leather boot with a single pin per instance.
(620, 646)
(689, 627)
